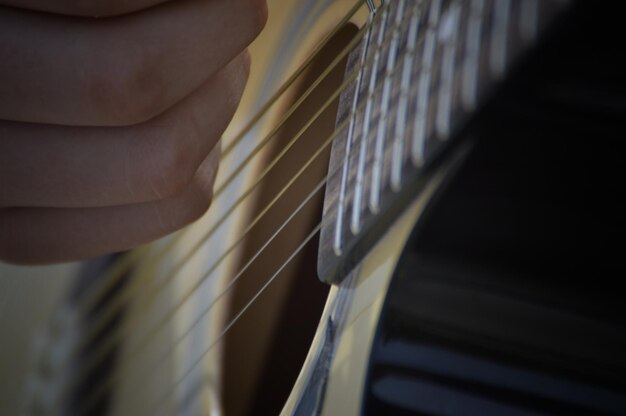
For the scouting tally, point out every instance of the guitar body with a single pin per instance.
(353, 308)
(400, 225)
(167, 299)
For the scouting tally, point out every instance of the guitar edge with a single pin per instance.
(333, 376)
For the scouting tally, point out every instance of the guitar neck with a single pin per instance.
(419, 76)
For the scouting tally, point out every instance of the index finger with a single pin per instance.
(123, 70)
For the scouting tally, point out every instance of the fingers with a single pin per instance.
(47, 235)
(108, 127)
(118, 71)
(59, 166)
(91, 8)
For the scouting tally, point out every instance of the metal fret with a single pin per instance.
(349, 140)
(431, 64)
(355, 221)
(401, 114)
(374, 201)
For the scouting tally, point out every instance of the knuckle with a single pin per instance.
(177, 153)
(174, 169)
(234, 83)
(232, 97)
(202, 196)
(201, 188)
(192, 205)
(246, 64)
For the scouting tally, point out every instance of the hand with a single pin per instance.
(110, 127)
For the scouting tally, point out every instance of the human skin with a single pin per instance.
(110, 118)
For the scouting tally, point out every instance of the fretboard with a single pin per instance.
(424, 68)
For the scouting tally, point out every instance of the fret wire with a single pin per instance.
(444, 101)
(102, 348)
(125, 262)
(356, 202)
(374, 201)
(401, 114)
(349, 139)
(324, 145)
(423, 94)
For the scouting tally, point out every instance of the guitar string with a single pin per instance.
(300, 100)
(207, 274)
(291, 80)
(171, 348)
(195, 363)
(203, 313)
(343, 87)
(172, 389)
(113, 344)
(94, 328)
(200, 317)
(241, 312)
(119, 300)
(116, 304)
(111, 341)
(162, 398)
(198, 360)
(232, 322)
(103, 387)
(122, 265)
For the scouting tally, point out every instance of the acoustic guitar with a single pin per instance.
(419, 210)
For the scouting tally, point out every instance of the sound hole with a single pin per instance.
(265, 350)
